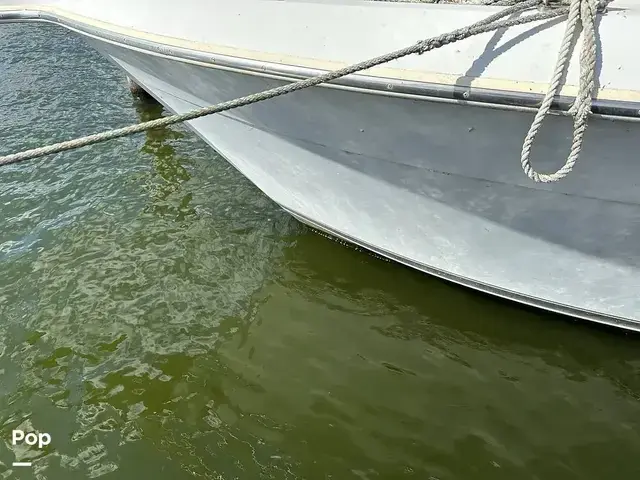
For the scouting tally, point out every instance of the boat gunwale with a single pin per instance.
(419, 90)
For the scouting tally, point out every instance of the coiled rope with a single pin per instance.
(580, 11)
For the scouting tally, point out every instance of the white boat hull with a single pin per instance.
(436, 186)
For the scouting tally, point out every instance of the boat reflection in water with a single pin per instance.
(167, 163)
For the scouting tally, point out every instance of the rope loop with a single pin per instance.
(582, 16)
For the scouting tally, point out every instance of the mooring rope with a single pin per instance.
(583, 10)
(580, 12)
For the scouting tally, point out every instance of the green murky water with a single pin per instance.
(161, 318)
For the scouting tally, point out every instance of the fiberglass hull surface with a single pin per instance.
(437, 186)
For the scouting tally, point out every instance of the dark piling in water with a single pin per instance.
(139, 92)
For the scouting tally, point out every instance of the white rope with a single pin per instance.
(581, 12)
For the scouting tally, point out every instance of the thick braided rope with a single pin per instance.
(493, 22)
(580, 12)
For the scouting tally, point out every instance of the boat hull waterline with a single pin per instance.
(434, 185)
